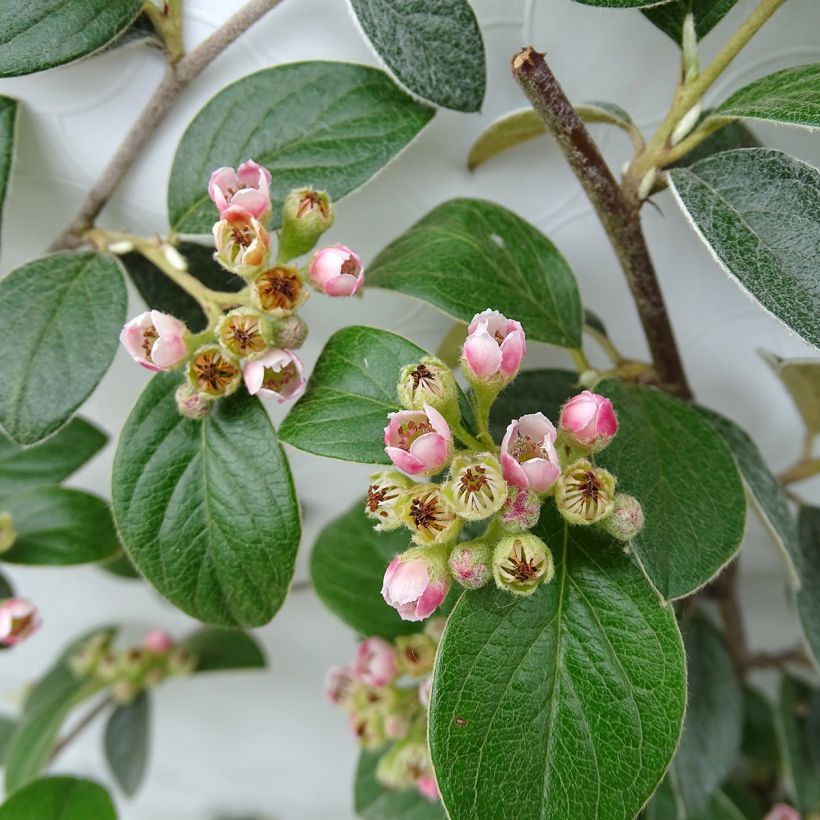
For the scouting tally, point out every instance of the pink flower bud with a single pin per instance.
(191, 403)
(339, 685)
(589, 420)
(415, 586)
(158, 641)
(277, 373)
(337, 271)
(426, 784)
(155, 340)
(375, 662)
(782, 811)
(418, 441)
(248, 187)
(494, 346)
(242, 244)
(528, 457)
(19, 620)
(470, 564)
(521, 510)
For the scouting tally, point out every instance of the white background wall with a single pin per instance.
(267, 742)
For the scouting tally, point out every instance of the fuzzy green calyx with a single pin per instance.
(306, 215)
(476, 488)
(521, 563)
(584, 494)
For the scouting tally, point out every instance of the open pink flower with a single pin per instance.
(277, 373)
(589, 419)
(158, 641)
(339, 685)
(19, 620)
(413, 587)
(241, 242)
(337, 271)
(426, 784)
(155, 340)
(495, 346)
(418, 441)
(375, 662)
(247, 187)
(528, 457)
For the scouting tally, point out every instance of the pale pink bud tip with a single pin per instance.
(158, 640)
(418, 441)
(337, 271)
(19, 620)
(589, 419)
(782, 811)
(410, 590)
(248, 187)
(278, 373)
(339, 684)
(528, 457)
(155, 340)
(375, 662)
(426, 784)
(494, 347)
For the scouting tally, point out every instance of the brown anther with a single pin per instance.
(278, 288)
(149, 336)
(213, 372)
(309, 201)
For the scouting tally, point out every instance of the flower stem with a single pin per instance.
(81, 726)
(805, 468)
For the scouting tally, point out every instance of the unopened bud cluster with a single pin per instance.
(503, 486)
(130, 671)
(255, 339)
(386, 693)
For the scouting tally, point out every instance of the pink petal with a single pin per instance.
(342, 285)
(512, 432)
(168, 351)
(431, 450)
(482, 353)
(409, 582)
(537, 427)
(438, 422)
(540, 473)
(431, 599)
(254, 374)
(513, 349)
(482, 318)
(513, 472)
(404, 461)
(254, 202)
(164, 324)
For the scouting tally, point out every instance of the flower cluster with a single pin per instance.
(128, 672)
(503, 486)
(254, 341)
(19, 620)
(386, 692)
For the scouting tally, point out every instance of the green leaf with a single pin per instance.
(207, 510)
(352, 389)
(8, 127)
(347, 568)
(767, 495)
(669, 17)
(7, 727)
(62, 316)
(6, 589)
(160, 293)
(790, 96)
(468, 254)
(52, 460)
(48, 33)
(59, 798)
(758, 211)
(121, 566)
(621, 4)
(670, 458)
(433, 47)
(801, 780)
(532, 391)
(730, 136)
(808, 596)
(801, 378)
(127, 742)
(665, 805)
(714, 717)
(46, 708)
(525, 124)
(758, 744)
(328, 125)
(56, 527)
(564, 704)
(219, 649)
(374, 802)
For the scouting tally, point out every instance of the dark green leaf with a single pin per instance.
(127, 742)
(670, 458)
(801, 378)
(808, 596)
(6, 589)
(760, 758)
(207, 510)
(38, 35)
(160, 293)
(433, 47)
(324, 124)
(669, 17)
(219, 649)
(621, 4)
(121, 566)
(62, 316)
(56, 526)
(665, 805)
(7, 727)
(730, 136)
(790, 96)
(764, 489)
(347, 568)
(758, 210)
(802, 781)
(59, 798)
(46, 708)
(374, 802)
(533, 391)
(714, 717)
(8, 123)
(564, 704)
(469, 254)
(50, 461)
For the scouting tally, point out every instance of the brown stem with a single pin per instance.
(619, 216)
(724, 590)
(81, 726)
(777, 660)
(177, 77)
(803, 469)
